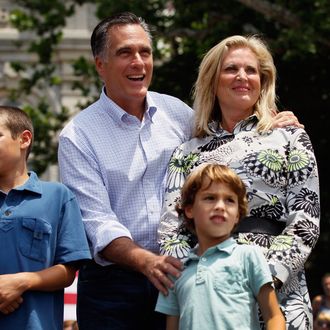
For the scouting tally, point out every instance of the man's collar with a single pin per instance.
(151, 107)
(118, 113)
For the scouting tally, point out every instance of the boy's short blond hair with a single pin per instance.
(198, 179)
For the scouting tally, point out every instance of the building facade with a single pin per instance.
(75, 43)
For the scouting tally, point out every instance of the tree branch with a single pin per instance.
(273, 11)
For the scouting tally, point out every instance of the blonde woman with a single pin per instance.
(234, 99)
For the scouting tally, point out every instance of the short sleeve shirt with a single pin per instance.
(40, 226)
(219, 289)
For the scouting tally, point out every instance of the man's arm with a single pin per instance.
(12, 286)
(125, 252)
(270, 309)
(111, 241)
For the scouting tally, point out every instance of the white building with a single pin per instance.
(75, 43)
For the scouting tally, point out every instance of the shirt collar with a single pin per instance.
(114, 110)
(118, 113)
(151, 107)
(227, 247)
(246, 124)
(32, 184)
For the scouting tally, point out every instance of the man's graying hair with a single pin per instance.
(99, 39)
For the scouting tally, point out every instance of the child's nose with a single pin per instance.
(220, 204)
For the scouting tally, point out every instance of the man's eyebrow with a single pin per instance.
(147, 48)
(123, 48)
(129, 48)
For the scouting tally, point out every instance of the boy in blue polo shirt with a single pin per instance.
(42, 239)
(222, 281)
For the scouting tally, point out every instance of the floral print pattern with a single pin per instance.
(177, 167)
(280, 173)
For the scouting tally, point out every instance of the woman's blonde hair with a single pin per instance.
(206, 106)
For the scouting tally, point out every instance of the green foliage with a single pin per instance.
(45, 19)
(87, 82)
(46, 125)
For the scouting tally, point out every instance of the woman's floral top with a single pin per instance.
(280, 173)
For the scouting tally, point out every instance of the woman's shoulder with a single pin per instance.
(290, 130)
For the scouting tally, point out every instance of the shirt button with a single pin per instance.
(204, 259)
(7, 212)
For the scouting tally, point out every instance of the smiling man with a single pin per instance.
(114, 156)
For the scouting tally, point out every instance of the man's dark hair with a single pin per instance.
(99, 38)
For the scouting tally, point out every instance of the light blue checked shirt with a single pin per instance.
(116, 166)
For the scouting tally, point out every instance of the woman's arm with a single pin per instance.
(270, 309)
(289, 251)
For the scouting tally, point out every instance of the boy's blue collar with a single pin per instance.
(227, 246)
(32, 184)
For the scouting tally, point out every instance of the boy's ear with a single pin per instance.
(25, 139)
(188, 212)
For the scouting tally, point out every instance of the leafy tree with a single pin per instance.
(46, 20)
(297, 32)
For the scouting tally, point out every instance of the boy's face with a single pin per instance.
(215, 212)
(10, 150)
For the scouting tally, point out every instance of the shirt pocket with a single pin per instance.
(6, 225)
(229, 280)
(35, 238)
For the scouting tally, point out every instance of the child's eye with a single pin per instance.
(209, 197)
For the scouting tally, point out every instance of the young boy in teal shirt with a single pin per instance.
(42, 239)
(222, 282)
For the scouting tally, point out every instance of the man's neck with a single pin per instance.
(134, 107)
